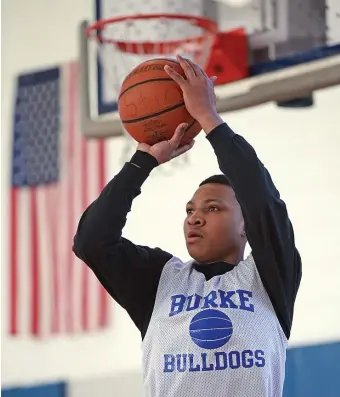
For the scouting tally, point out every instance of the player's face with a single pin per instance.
(214, 225)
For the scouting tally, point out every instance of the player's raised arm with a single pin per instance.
(268, 228)
(129, 272)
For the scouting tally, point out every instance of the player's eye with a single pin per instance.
(189, 211)
(213, 208)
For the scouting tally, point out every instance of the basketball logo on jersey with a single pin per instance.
(210, 329)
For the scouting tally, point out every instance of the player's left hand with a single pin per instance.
(166, 150)
(198, 93)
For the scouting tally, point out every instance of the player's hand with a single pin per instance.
(167, 150)
(198, 93)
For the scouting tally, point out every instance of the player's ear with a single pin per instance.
(242, 229)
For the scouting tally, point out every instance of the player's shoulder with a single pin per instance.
(246, 268)
(249, 261)
(177, 265)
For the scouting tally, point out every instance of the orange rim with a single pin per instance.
(161, 47)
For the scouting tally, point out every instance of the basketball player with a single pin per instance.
(217, 325)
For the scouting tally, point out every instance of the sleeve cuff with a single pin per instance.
(144, 160)
(219, 133)
(139, 168)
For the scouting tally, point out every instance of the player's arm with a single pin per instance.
(268, 227)
(129, 272)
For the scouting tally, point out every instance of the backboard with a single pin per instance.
(293, 45)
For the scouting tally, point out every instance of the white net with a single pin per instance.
(128, 43)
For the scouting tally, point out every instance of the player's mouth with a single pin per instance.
(193, 237)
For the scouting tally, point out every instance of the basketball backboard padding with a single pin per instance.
(229, 57)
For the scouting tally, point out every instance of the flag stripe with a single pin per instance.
(24, 254)
(103, 297)
(51, 205)
(45, 271)
(13, 309)
(34, 263)
(92, 189)
(85, 272)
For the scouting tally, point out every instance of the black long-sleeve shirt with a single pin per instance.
(130, 273)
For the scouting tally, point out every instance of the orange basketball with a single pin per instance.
(151, 104)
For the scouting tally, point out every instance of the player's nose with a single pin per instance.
(195, 220)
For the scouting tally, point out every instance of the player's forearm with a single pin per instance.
(103, 221)
(238, 161)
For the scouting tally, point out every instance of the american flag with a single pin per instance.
(56, 173)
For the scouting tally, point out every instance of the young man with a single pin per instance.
(217, 325)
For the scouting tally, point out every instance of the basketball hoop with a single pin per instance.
(125, 42)
(195, 43)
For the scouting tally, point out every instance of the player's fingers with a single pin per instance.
(175, 76)
(197, 69)
(213, 79)
(182, 149)
(178, 135)
(187, 68)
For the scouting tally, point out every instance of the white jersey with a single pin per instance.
(215, 338)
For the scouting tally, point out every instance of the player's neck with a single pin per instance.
(233, 258)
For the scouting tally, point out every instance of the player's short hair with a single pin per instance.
(220, 179)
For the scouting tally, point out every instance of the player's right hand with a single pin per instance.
(198, 93)
(167, 150)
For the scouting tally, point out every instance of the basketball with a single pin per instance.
(151, 105)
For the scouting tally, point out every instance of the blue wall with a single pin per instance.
(311, 371)
(51, 390)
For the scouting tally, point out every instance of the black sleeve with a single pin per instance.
(130, 273)
(268, 228)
